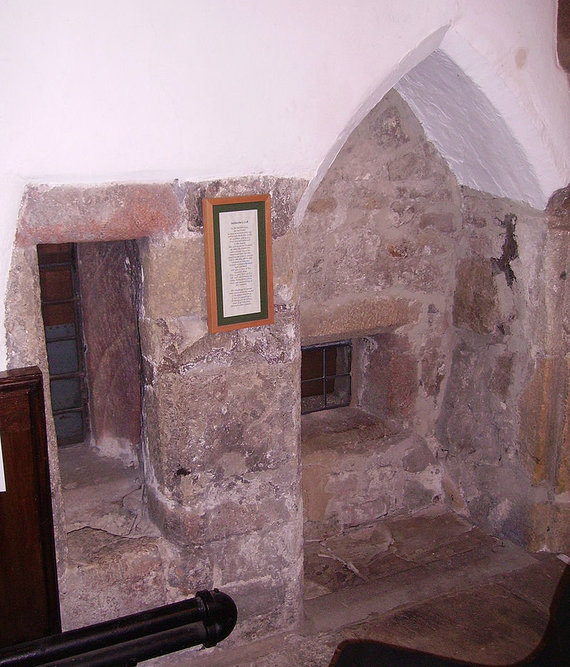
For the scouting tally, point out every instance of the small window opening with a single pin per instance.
(61, 312)
(325, 376)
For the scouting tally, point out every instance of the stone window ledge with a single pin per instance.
(343, 430)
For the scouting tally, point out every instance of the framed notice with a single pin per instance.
(237, 244)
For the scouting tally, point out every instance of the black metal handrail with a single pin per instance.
(205, 619)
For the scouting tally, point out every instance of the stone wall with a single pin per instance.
(455, 302)
(545, 404)
(496, 439)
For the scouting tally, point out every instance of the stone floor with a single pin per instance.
(429, 581)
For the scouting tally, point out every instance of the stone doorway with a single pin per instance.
(104, 541)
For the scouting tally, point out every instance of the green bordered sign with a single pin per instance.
(239, 276)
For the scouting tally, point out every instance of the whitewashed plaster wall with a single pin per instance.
(140, 90)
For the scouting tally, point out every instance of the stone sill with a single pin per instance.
(344, 430)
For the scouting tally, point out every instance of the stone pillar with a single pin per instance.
(545, 408)
(221, 421)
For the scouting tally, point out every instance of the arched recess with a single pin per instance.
(474, 329)
(476, 123)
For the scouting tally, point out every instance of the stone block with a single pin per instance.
(550, 527)
(472, 421)
(261, 570)
(502, 376)
(322, 204)
(559, 528)
(285, 195)
(432, 368)
(542, 407)
(419, 458)
(408, 166)
(353, 477)
(60, 214)
(180, 345)
(284, 274)
(215, 509)
(558, 209)
(389, 383)
(354, 316)
(109, 278)
(388, 129)
(110, 576)
(475, 301)
(241, 411)
(444, 221)
(174, 278)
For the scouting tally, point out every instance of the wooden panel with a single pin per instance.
(29, 606)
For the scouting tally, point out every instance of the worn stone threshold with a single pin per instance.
(99, 492)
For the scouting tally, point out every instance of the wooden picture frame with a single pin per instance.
(239, 269)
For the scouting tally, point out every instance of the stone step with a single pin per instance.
(115, 564)
(99, 492)
(467, 561)
(109, 576)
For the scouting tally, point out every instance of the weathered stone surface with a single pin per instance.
(248, 567)
(389, 377)
(285, 194)
(229, 427)
(97, 491)
(478, 439)
(432, 369)
(109, 276)
(550, 530)
(418, 459)
(221, 417)
(217, 511)
(175, 277)
(475, 300)
(467, 422)
(558, 532)
(542, 406)
(60, 214)
(111, 576)
(182, 344)
(353, 477)
(354, 316)
(369, 228)
(558, 209)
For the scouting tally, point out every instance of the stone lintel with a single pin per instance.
(355, 316)
(63, 214)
